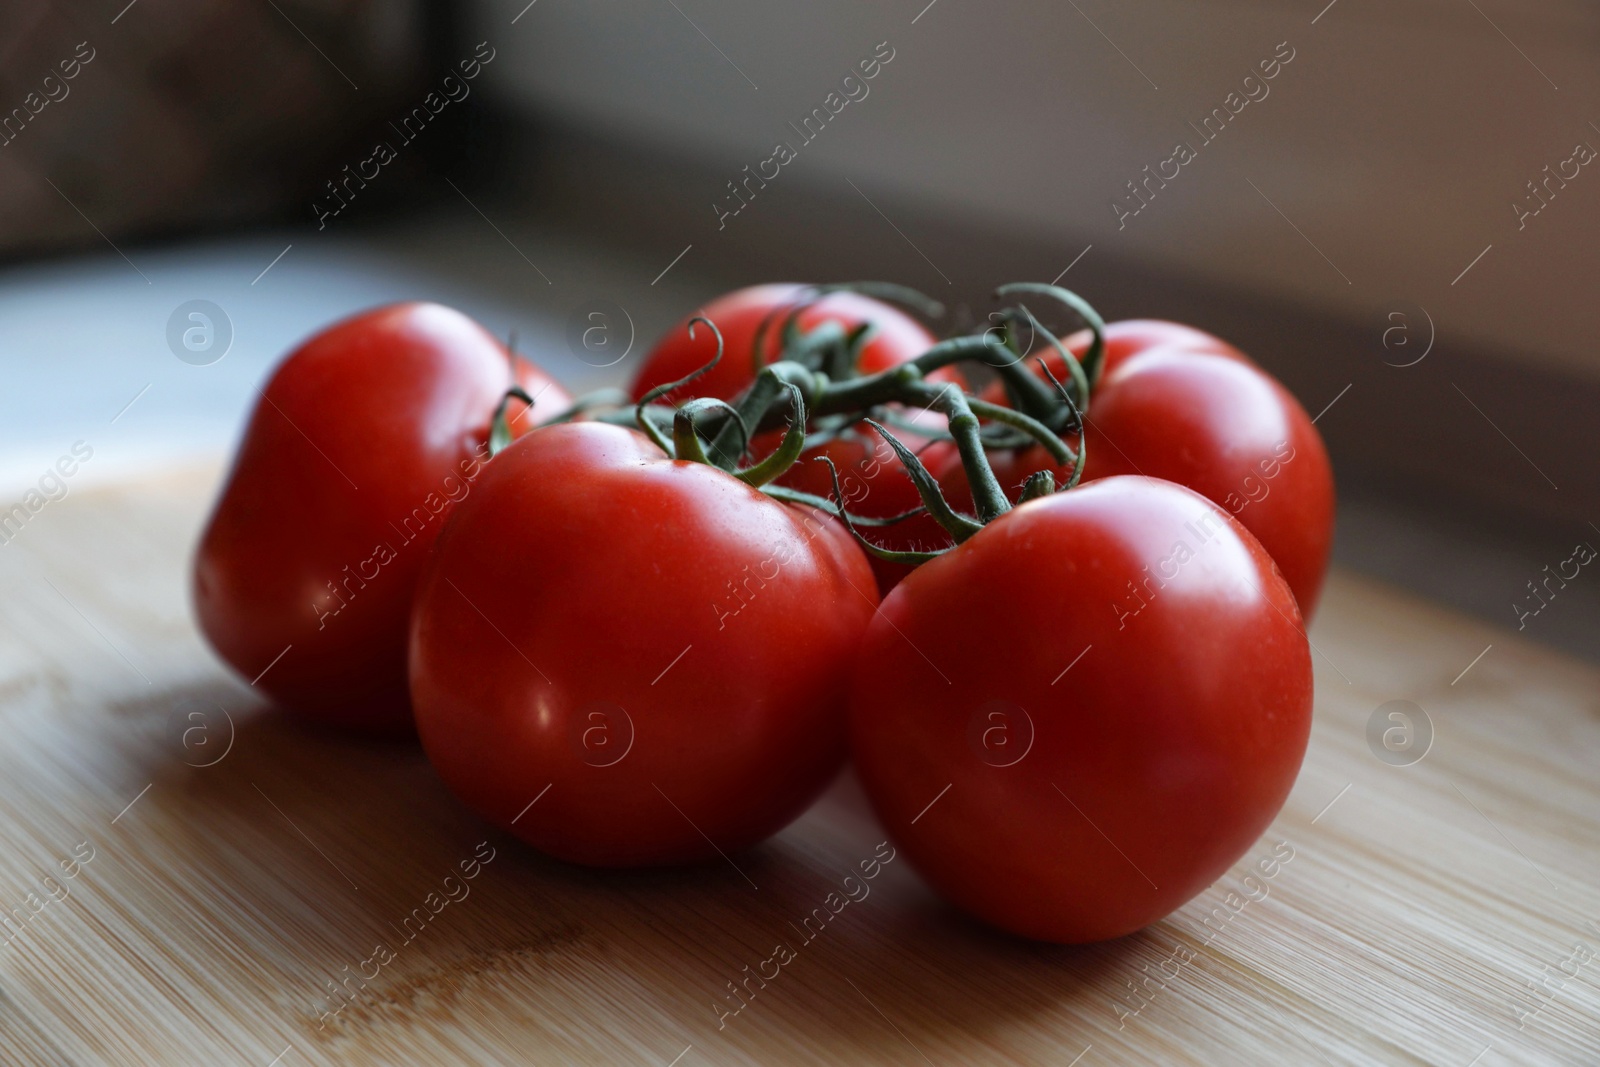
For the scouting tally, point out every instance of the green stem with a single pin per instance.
(910, 559)
(987, 494)
(1075, 424)
(755, 404)
(1093, 359)
(794, 442)
(600, 398)
(1077, 468)
(838, 360)
(1039, 484)
(686, 433)
(1038, 431)
(977, 347)
(1080, 379)
(822, 348)
(758, 344)
(958, 525)
(796, 496)
(844, 360)
(905, 296)
(647, 425)
(499, 427)
(1024, 387)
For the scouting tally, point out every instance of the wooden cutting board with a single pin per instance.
(228, 870)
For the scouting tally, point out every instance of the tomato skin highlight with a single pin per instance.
(1174, 402)
(1124, 340)
(365, 437)
(1128, 337)
(1158, 742)
(1231, 433)
(590, 574)
(739, 314)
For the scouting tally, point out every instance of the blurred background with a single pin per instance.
(1390, 207)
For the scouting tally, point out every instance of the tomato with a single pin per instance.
(662, 646)
(1124, 340)
(1129, 337)
(1230, 432)
(739, 314)
(1207, 419)
(364, 438)
(1081, 717)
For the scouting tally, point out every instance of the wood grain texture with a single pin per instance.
(1421, 919)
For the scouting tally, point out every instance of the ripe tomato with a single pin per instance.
(1099, 748)
(1231, 433)
(662, 646)
(739, 314)
(1208, 419)
(1124, 340)
(364, 438)
(1129, 337)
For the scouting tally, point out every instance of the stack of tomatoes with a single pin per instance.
(1056, 622)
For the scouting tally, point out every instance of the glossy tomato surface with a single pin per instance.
(1230, 432)
(897, 337)
(663, 647)
(1124, 339)
(363, 440)
(1129, 337)
(1194, 410)
(1080, 718)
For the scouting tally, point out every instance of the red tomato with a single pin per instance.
(1115, 732)
(1207, 419)
(663, 647)
(1123, 340)
(1129, 337)
(739, 315)
(1230, 432)
(365, 437)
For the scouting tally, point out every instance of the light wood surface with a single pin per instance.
(1427, 913)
